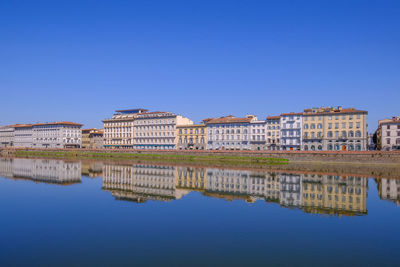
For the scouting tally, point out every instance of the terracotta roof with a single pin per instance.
(88, 130)
(292, 113)
(273, 117)
(323, 111)
(58, 123)
(394, 120)
(21, 125)
(190, 125)
(228, 119)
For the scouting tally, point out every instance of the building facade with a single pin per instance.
(389, 134)
(335, 129)
(291, 125)
(57, 135)
(6, 136)
(258, 135)
(273, 130)
(119, 130)
(157, 130)
(191, 137)
(23, 135)
(229, 132)
(92, 138)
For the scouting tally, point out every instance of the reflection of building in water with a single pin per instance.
(42, 170)
(322, 194)
(335, 194)
(141, 182)
(6, 167)
(290, 190)
(389, 189)
(191, 178)
(231, 184)
(92, 169)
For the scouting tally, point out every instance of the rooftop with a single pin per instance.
(273, 117)
(58, 123)
(230, 119)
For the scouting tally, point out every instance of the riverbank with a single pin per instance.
(229, 160)
(362, 157)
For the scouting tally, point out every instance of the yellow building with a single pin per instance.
(334, 129)
(191, 136)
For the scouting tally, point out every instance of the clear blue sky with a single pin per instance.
(81, 60)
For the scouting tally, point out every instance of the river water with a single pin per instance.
(72, 213)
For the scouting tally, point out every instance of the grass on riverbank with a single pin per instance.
(234, 160)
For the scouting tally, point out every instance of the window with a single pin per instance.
(387, 133)
(358, 125)
(305, 126)
(330, 126)
(388, 127)
(388, 141)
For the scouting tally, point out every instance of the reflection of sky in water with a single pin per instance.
(187, 216)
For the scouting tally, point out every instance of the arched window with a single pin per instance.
(329, 147)
(358, 134)
(351, 147)
(312, 126)
(305, 126)
(344, 134)
(358, 147)
(313, 148)
(320, 147)
(319, 125)
(337, 147)
(305, 147)
(351, 134)
(237, 131)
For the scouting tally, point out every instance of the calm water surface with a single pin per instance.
(68, 213)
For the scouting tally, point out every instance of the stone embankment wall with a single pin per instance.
(292, 156)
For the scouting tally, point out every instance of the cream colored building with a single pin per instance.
(119, 130)
(157, 130)
(334, 129)
(273, 131)
(191, 137)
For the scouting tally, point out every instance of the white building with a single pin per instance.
(258, 135)
(57, 135)
(291, 131)
(23, 135)
(119, 130)
(157, 130)
(6, 136)
(229, 133)
(390, 133)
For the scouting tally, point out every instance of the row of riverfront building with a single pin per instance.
(315, 129)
